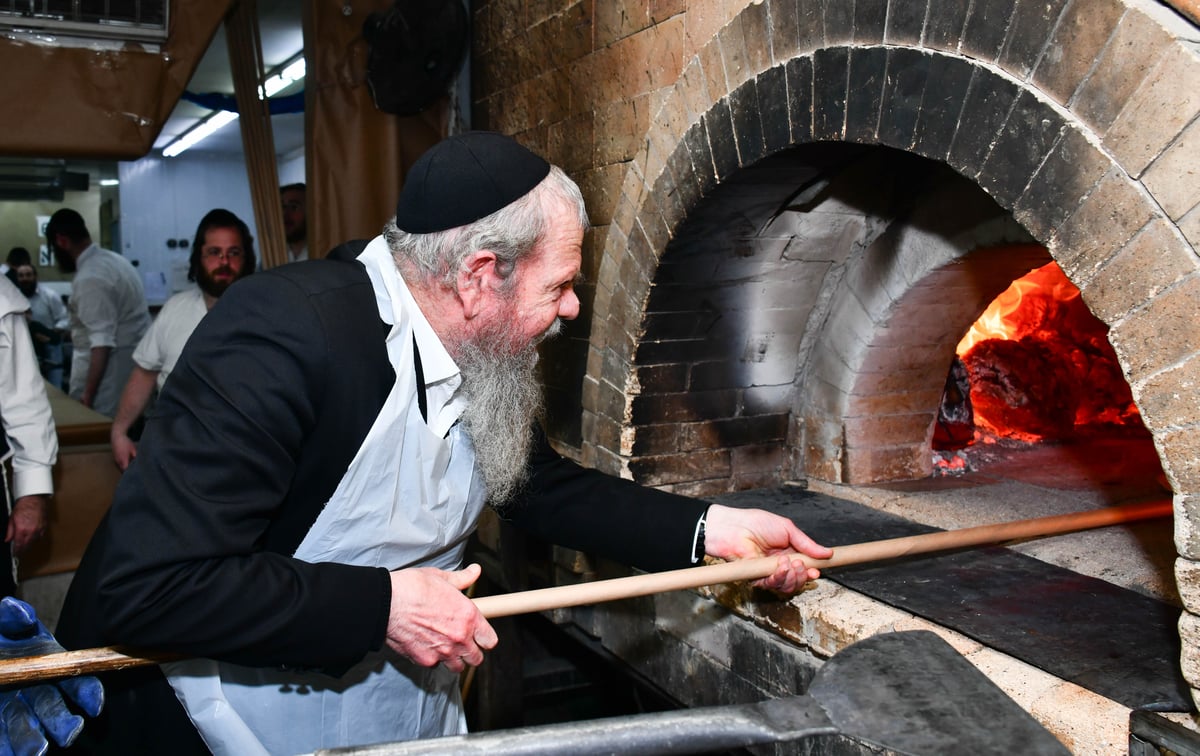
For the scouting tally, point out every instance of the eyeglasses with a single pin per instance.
(212, 253)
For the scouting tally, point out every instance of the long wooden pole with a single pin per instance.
(92, 661)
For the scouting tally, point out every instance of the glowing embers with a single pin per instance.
(1039, 368)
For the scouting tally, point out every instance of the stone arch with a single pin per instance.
(1085, 130)
(1037, 159)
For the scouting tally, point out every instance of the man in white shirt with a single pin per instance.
(45, 306)
(29, 437)
(108, 311)
(48, 320)
(222, 252)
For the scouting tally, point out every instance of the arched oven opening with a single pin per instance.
(798, 332)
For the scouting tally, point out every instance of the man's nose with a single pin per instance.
(568, 306)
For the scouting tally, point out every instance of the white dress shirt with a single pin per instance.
(24, 408)
(160, 348)
(47, 308)
(108, 309)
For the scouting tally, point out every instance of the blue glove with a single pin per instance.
(30, 713)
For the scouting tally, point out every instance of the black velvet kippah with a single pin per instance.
(464, 178)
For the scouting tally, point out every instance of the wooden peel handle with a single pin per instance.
(88, 661)
(92, 661)
(560, 597)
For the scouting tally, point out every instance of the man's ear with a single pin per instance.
(475, 278)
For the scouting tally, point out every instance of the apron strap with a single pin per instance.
(422, 402)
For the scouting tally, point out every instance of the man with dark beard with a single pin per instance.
(48, 321)
(298, 516)
(223, 252)
(108, 311)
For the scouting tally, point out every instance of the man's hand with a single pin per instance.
(432, 622)
(745, 533)
(27, 523)
(28, 714)
(124, 450)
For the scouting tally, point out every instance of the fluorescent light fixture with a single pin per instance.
(109, 182)
(200, 132)
(292, 72)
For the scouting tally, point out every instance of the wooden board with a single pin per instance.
(85, 478)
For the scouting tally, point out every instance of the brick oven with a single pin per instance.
(800, 206)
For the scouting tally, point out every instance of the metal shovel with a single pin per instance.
(904, 693)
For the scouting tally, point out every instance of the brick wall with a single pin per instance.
(766, 298)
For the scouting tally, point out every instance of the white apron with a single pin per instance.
(409, 498)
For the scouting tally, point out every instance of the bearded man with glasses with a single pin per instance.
(223, 252)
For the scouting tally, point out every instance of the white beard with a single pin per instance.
(504, 398)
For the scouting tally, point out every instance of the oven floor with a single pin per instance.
(1097, 608)
(1111, 640)
(1014, 481)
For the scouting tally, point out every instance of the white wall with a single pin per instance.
(291, 169)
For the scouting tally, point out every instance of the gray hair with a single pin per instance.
(511, 233)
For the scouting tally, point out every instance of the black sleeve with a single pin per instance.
(181, 559)
(584, 509)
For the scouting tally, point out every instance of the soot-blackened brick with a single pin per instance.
(657, 471)
(983, 115)
(696, 139)
(692, 324)
(773, 104)
(945, 91)
(745, 112)
(652, 440)
(720, 140)
(1029, 133)
(681, 350)
(663, 379)
(905, 22)
(1031, 26)
(869, 18)
(944, 23)
(680, 167)
(864, 92)
(669, 202)
(1069, 172)
(838, 19)
(830, 68)
(800, 98)
(1083, 32)
(810, 26)
(693, 406)
(717, 374)
(903, 90)
(728, 434)
(986, 28)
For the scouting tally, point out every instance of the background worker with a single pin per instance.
(109, 314)
(222, 252)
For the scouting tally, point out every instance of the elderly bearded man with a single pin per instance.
(323, 450)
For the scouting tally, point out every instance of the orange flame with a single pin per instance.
(1011, 315)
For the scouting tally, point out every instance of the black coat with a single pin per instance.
(261, 417)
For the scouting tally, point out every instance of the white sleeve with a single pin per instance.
(150, 354)
(58, 310)
(25, 410)
(97, 310)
